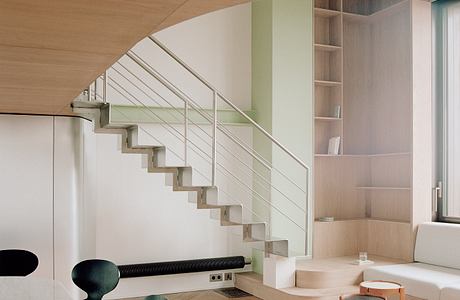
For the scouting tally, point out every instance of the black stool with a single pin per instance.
(96, 277)
(16, 262)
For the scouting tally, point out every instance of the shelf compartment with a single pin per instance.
(364, 219)
(329, 48)
(323, 132)
(328, 83)
(326, 13)
(328, 119)
(327, 98)
(383, 188)
(329, 4)
(328, 66)
(328, 27)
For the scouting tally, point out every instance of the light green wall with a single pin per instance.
(283, 100)
(155, 114)
(261, 92)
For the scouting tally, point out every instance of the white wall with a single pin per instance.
(44, 203)
(216, 45)
(64, 186)
(141, 220)
(26, 214)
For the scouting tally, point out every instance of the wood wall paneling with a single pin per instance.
(51, 50)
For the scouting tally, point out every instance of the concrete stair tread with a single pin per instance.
(179, 177)
(87, 104)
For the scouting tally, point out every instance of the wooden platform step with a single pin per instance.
(252, 283)
(335, 272)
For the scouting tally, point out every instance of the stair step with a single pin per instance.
(87, 104)
(254, 232)
(252, 283)
(335, 271)
(180, 177)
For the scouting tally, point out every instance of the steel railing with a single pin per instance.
(210, 116)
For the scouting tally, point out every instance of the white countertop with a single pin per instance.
(29, 288)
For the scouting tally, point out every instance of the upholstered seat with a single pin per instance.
(420, 280)
(436, 274)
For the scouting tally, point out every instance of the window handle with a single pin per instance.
(437, 194)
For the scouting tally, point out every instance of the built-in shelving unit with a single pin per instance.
(367, 187)
(328, 72)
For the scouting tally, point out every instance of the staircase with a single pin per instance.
(94, 106)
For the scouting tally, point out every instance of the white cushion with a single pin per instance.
(420, 280)
(438, 244)
(451, 292)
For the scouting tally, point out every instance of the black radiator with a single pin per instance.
(180, 267)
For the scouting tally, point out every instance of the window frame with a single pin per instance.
(440, 82)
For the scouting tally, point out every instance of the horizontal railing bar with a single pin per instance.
(177, 93)
(223, 167)
(153, 72)
(206, 133)
(197, 170)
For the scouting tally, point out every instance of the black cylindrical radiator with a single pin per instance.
(180, 267)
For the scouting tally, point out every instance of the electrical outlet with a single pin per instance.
(215, 277)
(228, 276)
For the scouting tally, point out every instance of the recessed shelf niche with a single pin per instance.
(362, 64)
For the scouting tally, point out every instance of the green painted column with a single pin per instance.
(282, 78)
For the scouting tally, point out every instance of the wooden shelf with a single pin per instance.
(327, 155)
(328, 119)
(370, 155)
(328, 48)
(327, 83)
(364, 219)
(384, 188)
(321, 12)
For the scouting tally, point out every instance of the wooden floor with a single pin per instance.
(201, 295)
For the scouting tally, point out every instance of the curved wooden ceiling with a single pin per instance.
(50, 50)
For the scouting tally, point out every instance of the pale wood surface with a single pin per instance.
(339, 238)
(374, 191)
(199, 295)
(51, 50)
(252, 283)
(390, 239)
(336, 179)
(334, 272)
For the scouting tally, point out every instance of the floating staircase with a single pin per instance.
(180, 177)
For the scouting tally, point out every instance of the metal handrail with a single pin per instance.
(181, 95)
(186, 130)
(210, 117)
(228, 102)
(218, 163)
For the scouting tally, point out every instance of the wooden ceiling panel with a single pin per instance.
(196, 8)
(50, 50)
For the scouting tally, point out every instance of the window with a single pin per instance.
(447, 87)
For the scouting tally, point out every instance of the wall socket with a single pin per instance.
(228, 276)
(215, 277)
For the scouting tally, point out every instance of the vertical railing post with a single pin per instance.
(95, 90)
(90, 98)
(214, 138)
(104, 87)
(185, 132)
(307, 214)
